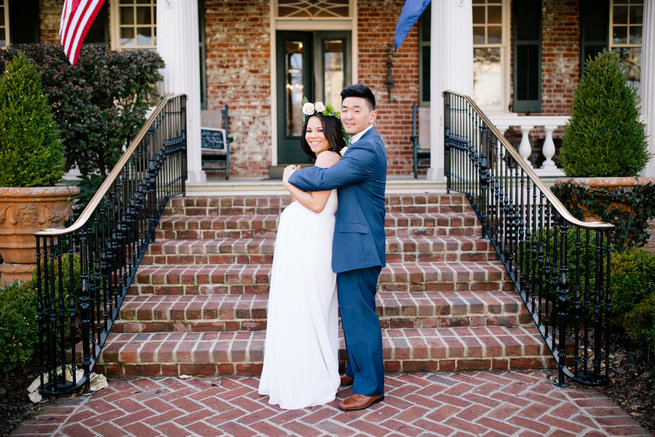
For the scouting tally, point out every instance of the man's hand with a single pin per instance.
(287, 172)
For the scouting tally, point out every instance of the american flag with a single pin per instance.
(76, 19)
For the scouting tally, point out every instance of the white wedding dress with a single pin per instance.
(300, 358)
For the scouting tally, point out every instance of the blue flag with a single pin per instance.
(411, 11)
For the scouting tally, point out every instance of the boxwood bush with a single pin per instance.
(31, 152)
(605, 136)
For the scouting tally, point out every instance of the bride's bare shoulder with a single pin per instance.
(327, 159)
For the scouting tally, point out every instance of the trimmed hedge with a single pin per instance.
(31, 152)
(605, 135)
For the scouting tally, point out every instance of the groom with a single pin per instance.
(359, 240)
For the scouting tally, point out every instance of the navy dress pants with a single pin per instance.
(361, 325)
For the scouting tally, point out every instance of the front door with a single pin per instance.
(315, 65)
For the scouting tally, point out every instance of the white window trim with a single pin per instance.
(5, 5)
(114, 35)
(505, 66)
(304, 23)
(612, 45)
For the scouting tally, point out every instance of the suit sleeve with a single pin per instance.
(356, 166)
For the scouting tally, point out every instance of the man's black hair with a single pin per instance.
(359, 90)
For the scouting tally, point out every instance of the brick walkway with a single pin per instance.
(451, 404)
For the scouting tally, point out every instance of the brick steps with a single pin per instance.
(274, 204)
(192, 227)
(247, 312)
(260, 250)
(198, 302)
(248, 278)
(404, 350)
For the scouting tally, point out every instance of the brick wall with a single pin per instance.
(238, 73)
(49, 16)
(560, 55)
(377, 26)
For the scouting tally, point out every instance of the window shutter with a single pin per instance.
(594, 29)
(527, 55)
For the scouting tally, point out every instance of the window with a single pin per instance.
(626, 21)
(4, 24)
(135, 25)
(527, 56)
(313, 8)
(488, 53)
(26, 14)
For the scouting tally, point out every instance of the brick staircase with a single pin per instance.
(198, 303)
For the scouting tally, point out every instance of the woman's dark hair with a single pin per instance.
(332, 131)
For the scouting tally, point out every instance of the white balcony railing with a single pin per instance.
(527, 123)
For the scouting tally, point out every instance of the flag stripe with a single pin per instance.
(76, 18)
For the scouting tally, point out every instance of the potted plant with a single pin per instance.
(603, 151)
(31, 163)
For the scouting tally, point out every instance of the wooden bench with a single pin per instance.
(215, 146)
(421, 156)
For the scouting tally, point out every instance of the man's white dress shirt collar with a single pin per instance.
(359, 135)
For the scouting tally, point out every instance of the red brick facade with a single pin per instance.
(560, 55)
(238, 48)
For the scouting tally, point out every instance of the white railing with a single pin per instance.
(526, 123)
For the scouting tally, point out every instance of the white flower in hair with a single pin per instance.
(319, 107)
(308, 108)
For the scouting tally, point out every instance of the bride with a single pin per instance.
(300, 356)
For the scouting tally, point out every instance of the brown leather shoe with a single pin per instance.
(347, 379)
(359, 402)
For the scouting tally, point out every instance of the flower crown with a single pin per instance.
(308, 109)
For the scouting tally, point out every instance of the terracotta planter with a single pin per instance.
(24, 211)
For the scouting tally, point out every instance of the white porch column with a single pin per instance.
(177, 44)
(451, 68)
(648, 81)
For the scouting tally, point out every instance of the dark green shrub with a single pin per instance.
(630, 224)
(640, 324)
(31, 153)
(18, 326)
(18, 315)
(605, 136)
(633, 280)
(88, 185)
(100, 103)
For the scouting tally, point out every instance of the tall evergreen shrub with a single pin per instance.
(31, 153)
(604, 136)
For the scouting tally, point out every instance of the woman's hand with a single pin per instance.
(287, 172)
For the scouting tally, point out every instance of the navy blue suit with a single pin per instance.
(358, 250)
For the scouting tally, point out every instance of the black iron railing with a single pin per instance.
(84, 271)
(559, 265)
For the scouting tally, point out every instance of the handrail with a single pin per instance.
(111, 177)
(84, 271)
(559, 265)
(561, 209)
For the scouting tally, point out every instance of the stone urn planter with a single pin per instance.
(24, 211)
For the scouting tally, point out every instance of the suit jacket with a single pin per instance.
(360, 179)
